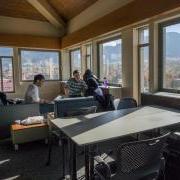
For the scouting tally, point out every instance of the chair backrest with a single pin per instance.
(127, 102)
(63, 106)
(8, 114)
(135, 156)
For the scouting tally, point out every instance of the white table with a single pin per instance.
(94, 128)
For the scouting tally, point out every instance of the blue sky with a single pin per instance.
(173, 28)
(112, 43)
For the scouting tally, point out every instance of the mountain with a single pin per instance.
(112, 49)
(173, 45)
(112, 53)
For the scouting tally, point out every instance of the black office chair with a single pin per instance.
(125, 103)
(139, 160)
(57, 135)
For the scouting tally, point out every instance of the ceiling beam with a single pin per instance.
(124, 16)
(28, 41)
(48, 12)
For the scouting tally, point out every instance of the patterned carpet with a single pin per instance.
(28, 163)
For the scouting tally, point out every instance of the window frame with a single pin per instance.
(161, 55)
(1, 74)
(40, 50)
(139, 46)
(98, 57)
(87, 55)
(70, 60)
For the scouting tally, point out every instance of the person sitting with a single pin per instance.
(32, 93)
(75, 86)
(92, 83)
(94, 90)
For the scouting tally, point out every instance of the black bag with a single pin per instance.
(3, 98)
(106, 101)
(102, 170)
(109, 101)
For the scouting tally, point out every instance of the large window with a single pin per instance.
(143, 50)
(110, 61)
(39, 62)
(6, 69)
(75, 58)
(170, 56)
(88, 56)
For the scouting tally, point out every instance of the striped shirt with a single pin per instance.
(76, 87)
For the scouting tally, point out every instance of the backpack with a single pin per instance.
(3, 98)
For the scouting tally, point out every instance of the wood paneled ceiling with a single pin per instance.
(68, 9)
(19, 9)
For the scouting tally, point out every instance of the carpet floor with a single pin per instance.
(29, 162)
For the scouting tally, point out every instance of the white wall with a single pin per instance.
(65, 61)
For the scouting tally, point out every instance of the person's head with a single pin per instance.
(39, 80)
(76, 75)
(87, 74)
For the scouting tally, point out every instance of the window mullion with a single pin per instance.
(2, 87)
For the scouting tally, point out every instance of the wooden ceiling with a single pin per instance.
(66, 9)
(19, 9)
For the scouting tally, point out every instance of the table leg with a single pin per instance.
(70, 157)
(158, 131)
(91, 157)
(74, 171)
(49, 150)
(138, 136)
(87, 162)
(69, 151)
(63, 159)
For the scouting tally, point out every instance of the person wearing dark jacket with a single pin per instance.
(91, 82)
(93, 87)
(94, 90)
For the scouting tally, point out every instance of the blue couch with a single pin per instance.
(8, 114)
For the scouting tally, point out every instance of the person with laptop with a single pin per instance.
(75, 86)
(32, 93)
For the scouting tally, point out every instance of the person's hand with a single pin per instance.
(66, 91)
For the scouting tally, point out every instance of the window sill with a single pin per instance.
(110, 87)
(165, 94)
